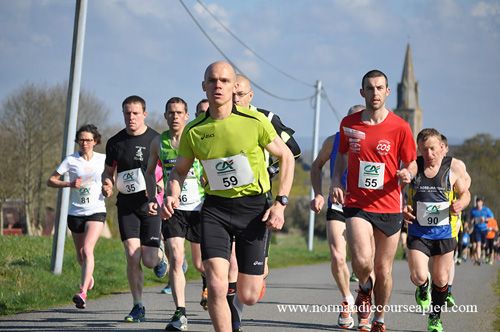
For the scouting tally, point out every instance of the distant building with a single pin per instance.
(408, 106)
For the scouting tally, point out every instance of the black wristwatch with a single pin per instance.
(283, 200)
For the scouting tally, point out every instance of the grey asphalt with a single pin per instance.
(302, 285)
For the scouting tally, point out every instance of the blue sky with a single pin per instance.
(152, 48)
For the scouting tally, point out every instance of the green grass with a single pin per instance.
(496, 288)
(26, 282)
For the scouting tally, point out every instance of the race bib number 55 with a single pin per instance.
(371, 175)
(228, 173)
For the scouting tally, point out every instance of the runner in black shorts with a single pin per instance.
(335, 224)
(127, 153)
(185, 223)
(230, 142)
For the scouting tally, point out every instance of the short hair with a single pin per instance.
(176, 100)
(204, 100)
(374, 73)
(132, 100)
(355, 109)
(424, 134)
(89, 128)
(444, 139)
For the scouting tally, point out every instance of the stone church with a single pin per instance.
(408, 106)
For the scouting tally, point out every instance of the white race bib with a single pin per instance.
(190, 192)
(87, 194)
(433, 214)
(131, 181)
(371, 175)
(227, 173)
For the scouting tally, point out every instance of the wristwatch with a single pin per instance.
(283, 200)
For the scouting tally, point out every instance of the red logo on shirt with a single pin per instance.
(383, 147)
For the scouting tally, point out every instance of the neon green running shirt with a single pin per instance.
(192, 193)
(231, 151)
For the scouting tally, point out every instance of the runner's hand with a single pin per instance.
(169, 204)
(153, 208)
(275, 217)
(107, 188)
(317, 203)
(408, 214)
(337, 195)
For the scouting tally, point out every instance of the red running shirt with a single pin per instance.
(374, 155)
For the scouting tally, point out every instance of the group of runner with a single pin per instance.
(216, 175)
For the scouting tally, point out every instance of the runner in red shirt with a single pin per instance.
(380, 151)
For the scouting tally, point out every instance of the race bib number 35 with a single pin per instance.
(131, 181)
(371, 175)
(433, 213)
(228, 173)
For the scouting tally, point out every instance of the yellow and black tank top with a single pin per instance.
(430, 199)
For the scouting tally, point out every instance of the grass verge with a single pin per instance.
(26, 282)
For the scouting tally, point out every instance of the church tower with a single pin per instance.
(408, 107)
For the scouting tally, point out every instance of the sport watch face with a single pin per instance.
(282, 199)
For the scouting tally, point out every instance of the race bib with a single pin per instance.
(190, 193)
(130, 181)
(371, 175)
(228, 173)
(433, 214)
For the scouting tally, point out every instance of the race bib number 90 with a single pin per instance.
(371, 175)
(131, 181)
(228, 173)
(433, 213)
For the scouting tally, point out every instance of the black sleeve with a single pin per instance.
(290, 141)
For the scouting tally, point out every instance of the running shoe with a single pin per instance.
(204, 299)
(161, 269)
(434, 324)
(377, 327)
(239, 329)
(345, 320)
(167, 289)
(80, 300)
(423, 296)
(178, 322)
(450, 300)
(136, 315)
(353, 278)
(363, 304)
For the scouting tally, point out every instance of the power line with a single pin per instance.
(325, 95)
(233, 64)
(250, 49)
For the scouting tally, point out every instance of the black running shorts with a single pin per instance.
(332, 214)
(222, 218)
(137, 223)
(388, 223)
(185, 224)
(431, 247)
(76, 224)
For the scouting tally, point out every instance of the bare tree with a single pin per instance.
(32, 127)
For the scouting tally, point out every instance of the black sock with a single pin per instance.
(438, 298)
(449, 289)
(424, 285)
(204, 281)
(235, 313)
(182, 310)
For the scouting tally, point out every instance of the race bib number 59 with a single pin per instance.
(228, 173)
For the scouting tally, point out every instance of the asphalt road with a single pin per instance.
(311, 286)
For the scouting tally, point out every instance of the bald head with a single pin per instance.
(355, 109)
(219, 65)
(219, 84)
(244, 94)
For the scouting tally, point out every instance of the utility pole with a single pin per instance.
(314, 154)
(69, 132)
